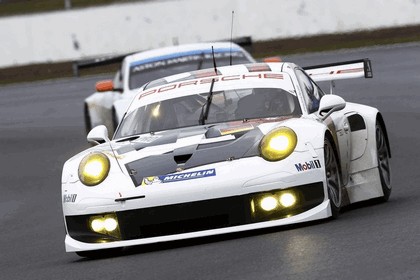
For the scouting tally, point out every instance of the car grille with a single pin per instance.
(192, 216)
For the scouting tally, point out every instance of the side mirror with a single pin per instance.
(98, 135)
(330, 104)
(102, 86)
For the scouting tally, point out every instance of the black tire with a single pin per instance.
(88, 123)
(383, 161)
(332, 175)
(114, 119)
(100, 254)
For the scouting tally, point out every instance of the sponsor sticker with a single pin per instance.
(308, 165)
(69, 198)
(185, 57)
(176, 177)
(217, 79)
(151, 180)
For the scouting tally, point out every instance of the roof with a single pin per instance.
(182, 50)
(224, 70)
(227, 77)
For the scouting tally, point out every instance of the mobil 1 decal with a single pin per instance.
(308, 165)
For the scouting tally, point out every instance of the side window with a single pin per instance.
(311, 92)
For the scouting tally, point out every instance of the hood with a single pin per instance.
(177, 150)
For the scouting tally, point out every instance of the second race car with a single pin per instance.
(112, 98)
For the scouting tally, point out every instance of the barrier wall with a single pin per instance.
(118, 29)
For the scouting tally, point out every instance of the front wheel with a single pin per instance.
(88, 123)
(332, 175)
(383, 161)
(115, 121)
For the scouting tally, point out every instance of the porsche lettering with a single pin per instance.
(216, 79)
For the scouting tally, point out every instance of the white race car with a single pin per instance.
(224, 150)
(111, 99)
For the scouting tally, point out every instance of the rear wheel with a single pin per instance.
(383, 161)
(333, 178)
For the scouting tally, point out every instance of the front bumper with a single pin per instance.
(197, 218)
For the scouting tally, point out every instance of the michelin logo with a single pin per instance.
(308, 165)
(178, 177)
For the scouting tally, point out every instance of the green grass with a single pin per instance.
(18, 7)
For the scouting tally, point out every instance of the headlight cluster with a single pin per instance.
(278, 144)
(105, 224)
(93, 169)
(274, 204)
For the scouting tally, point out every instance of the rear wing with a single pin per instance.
(341, 70)
(244, 42)
(96, 62)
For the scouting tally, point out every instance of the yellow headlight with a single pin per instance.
(110, 224)
(278, 144)
(93, 169)
(287, 199)
(268, 203)
(97, 225)
(105, 224)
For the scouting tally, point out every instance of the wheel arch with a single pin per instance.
(329, 135)
(381, 121)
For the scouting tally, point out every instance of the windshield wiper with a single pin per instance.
(204, 113)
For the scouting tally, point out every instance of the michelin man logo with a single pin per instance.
(150, 181)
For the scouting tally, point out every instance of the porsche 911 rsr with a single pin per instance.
(224, 150)
(107, 105)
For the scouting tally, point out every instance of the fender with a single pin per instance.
(99, 106)
(369, 158)
(120, 107)
(95, 112)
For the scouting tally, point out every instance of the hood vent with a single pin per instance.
(182, 159)
(183, 154)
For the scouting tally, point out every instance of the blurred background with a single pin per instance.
(42, 126)
(42, 39)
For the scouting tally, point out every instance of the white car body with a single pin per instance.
(107, 108)
(182, 182)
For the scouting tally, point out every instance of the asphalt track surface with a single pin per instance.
(41, 125)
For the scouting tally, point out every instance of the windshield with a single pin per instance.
(143, 73)
(225, 106)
